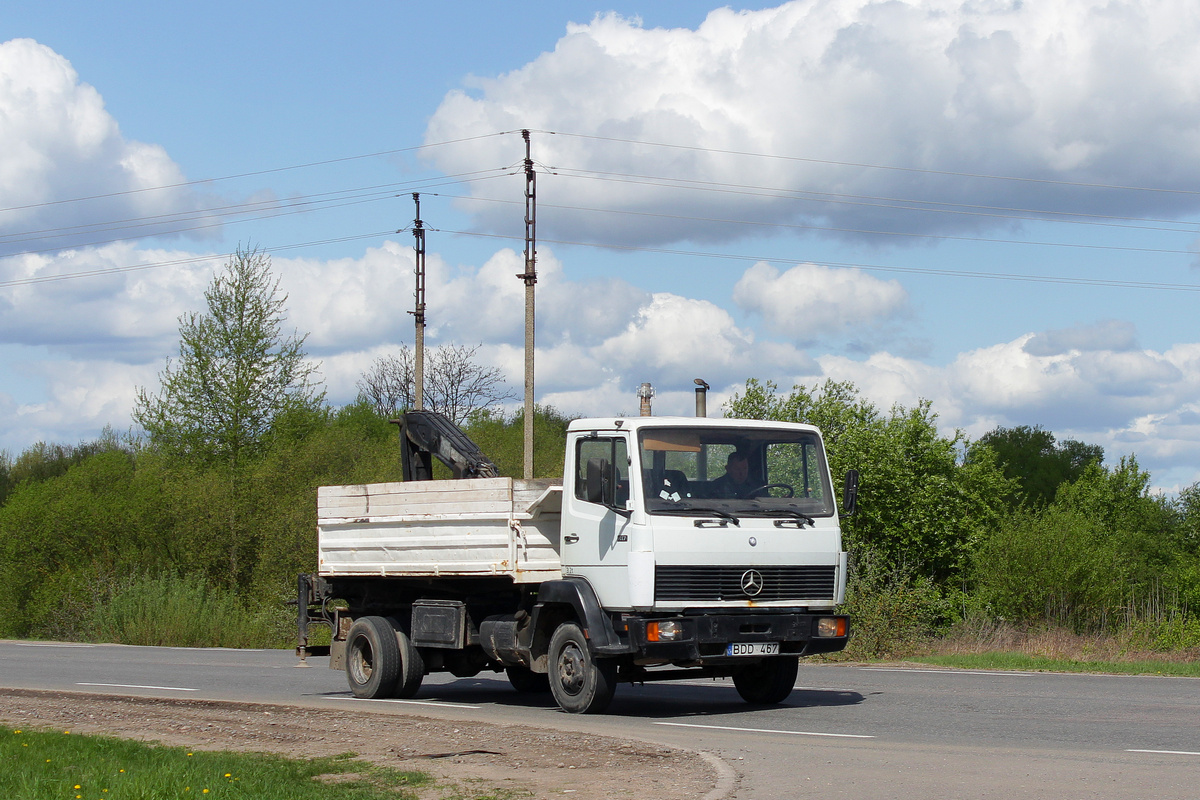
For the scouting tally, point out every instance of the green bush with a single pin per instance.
(1057, 565)
(892, 611)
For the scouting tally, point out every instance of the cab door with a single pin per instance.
(595, 529)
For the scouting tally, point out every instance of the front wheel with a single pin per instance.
(580, 682)
(769, 681)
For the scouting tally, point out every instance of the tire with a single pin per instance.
(412, 666)
(580, 682)
(769, 681)
(526, 681)
(372, 658)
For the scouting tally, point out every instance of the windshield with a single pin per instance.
(739, 471)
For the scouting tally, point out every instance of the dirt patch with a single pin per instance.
(469, 758)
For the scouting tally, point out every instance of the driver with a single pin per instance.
(736, 480)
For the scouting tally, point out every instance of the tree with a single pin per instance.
(455, 385)
(1036, 462)
(236, 370)
(921, 509)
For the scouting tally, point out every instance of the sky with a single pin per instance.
(990, 205)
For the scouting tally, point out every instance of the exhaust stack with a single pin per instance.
(701, 397)
(645, 392)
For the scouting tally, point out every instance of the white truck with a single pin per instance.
(642, 564)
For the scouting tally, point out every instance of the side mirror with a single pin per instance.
(850, 494)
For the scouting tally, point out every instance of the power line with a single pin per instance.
(832, 229)
(1064, 280)
(183, 261)
(255, 173)
(247, 211)
(865, 165)
(1020, 214)
(1124, 284)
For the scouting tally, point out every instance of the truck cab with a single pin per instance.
(653, 522)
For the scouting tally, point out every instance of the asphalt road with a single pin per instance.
(847, 731)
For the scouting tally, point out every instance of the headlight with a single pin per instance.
(831, 627)
(667, 630)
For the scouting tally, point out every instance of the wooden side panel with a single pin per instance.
(430, 528)
(484, 496)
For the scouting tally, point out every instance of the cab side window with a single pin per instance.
(602, 471)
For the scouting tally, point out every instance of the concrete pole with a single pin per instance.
(530, 278)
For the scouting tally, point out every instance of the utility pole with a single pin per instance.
(419, 313)
(530, 278)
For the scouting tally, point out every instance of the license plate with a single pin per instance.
(753, 649)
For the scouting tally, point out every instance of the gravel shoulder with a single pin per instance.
(469, 758)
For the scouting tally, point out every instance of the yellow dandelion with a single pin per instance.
(16, 731)
(66, 731)
(120, 770)
(77, 786)
(227, 775)
(204, 792)
(189, 755)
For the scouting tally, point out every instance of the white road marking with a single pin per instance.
(140, 686)
(954, 671)
(434, 703)
(1166, 752)
(51, 644)
(727, 683)
(767, 730)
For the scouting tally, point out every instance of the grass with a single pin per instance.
(1033, 663)
(1054, 649)
(40, 765)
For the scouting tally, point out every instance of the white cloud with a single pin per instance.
(599, 342)
(1116, 335)
(1074, 90)
(128, 314)
(810, 302)
(57, 142)
(1129, 401)
(81, 398)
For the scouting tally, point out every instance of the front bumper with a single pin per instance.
(703, 637)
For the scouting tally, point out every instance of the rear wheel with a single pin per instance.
(372, 658)
(769, 681)
(526, 681)
(580, 682)
(412, 666)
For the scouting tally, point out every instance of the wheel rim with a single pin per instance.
(571, 669)
(360, 663)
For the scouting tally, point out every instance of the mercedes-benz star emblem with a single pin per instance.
(752, 582)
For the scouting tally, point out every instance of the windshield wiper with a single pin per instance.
(799, 520)
(723, 517)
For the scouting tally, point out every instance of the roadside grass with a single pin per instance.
(1051, 648)
(41, 765)
(1033, 663)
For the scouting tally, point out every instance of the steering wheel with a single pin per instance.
(791, 491)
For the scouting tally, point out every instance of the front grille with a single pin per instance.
(725, 583)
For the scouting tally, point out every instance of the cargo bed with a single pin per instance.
(475, 527)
